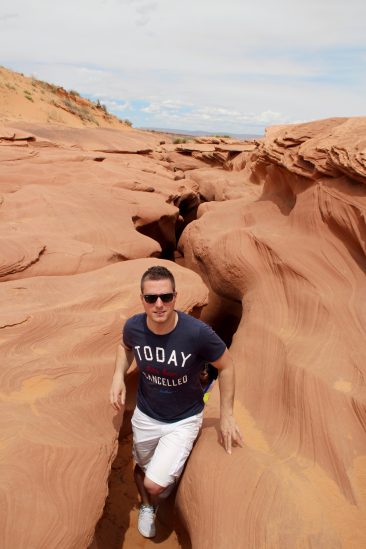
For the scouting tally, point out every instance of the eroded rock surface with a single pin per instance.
(81, 213)
(58, 336)
(295, 258)
(280, 242)
(63, 212)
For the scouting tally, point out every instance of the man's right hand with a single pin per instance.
(117, 393)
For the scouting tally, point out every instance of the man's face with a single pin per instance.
(159, 311)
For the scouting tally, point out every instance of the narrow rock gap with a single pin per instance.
(167, 232)
(161, 231)
(112, 529)
(224, 316)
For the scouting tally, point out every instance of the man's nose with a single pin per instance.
(159, 302)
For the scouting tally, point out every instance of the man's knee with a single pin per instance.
(153, 488)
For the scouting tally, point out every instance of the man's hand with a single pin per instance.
(117, 394)
(230, 434)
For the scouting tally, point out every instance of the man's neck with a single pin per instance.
(162, 329)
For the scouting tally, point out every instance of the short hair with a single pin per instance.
(158, 272)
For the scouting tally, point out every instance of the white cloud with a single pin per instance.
(175, 104)
(209, 118)
(283, 60)
(153, 108)
(8, 17)
(270, 117)
(144, 12)
(167, 105)
(115, 106)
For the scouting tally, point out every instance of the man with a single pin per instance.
(170, 348)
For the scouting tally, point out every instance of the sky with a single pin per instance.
(228, 66)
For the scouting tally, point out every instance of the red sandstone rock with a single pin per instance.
(190, 147)
(183, 162)
(213, 151)
(216, 185)
(283, 234)
(296, 260)
(59, 432)
(327, 147)
(97, 139)
(14, 135)
(83, 214)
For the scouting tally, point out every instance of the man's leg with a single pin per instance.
(161, 450)
(170, 455)
(146, 435)
(139, 480)
(149, 491)
(153, 489)
(149, 504)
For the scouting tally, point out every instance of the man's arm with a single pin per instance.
(117, 394)
(230, 433)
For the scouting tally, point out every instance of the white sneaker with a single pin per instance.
(146, 522)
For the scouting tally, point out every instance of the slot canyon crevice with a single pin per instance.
(115, 527)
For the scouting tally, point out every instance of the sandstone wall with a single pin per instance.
(280, 242)
(72, 252)
(296, 259)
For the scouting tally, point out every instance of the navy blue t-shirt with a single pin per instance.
(169, 387)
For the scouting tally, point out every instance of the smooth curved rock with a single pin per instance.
(284, 241)
(216, 185)
(18, 254)
(84, 214)
(109, 140)
(58, 337)
(213, 151)
(296, 260)
(330, 147)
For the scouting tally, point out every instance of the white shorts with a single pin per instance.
(161, 449)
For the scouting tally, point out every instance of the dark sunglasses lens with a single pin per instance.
(152, 298)
(166, 298)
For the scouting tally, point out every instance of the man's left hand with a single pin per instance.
(230, 433)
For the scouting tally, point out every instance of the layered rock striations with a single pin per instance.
(59, 433)
(75, 200)
(83, 213)
(280, 242)
(295, 259)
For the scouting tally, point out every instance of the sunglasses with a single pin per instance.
(165, 298)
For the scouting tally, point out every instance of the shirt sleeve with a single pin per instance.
(126, 335)
(210, 345)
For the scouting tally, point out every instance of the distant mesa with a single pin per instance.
(199, 133)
